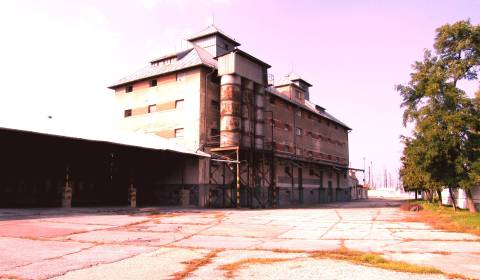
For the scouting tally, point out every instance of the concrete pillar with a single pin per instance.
(185, 197)
(67, 191)
(230, 111)
(132, 195)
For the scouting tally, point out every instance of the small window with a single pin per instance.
(179, 104)
(299, 113)
(152, 108)
(310, 153)
(153, 83)
(127, 113)
(286, 127)
(287, 148)
(287, 169)
(181, 77)
(299, 131)
(129, 88)
(225, 46)
(214, 132)
(299, 151)
(272, 123)
(298, 94)
(179, 133)
(215, 105)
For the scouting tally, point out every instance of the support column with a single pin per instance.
(67, 190)
(230, 113)
(132, 195)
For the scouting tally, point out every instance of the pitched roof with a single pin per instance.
(212, 29)
(309, 106)
(185, 59)
(289, 78)
(99, 134)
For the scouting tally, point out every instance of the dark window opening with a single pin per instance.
(214, 132)
(153, 83)
(127, 113)
(215, 105)
(129, 88)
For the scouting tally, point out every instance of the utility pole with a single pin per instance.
(364, 171)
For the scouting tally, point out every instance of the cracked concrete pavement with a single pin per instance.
(156, 243)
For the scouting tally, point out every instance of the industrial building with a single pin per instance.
(268, 145)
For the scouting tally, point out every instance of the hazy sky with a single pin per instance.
(58, 57)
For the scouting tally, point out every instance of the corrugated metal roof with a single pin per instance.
(132, 139)
(186, 59)
(310, 106)
(212, 29)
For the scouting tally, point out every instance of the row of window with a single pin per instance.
(180, 77)
(300, 132)
(308, 153)
(300, 113)
(313, 173)
(152, 108)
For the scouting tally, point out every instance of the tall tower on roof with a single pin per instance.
(214, 41)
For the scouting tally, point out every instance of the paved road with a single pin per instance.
(156, 243)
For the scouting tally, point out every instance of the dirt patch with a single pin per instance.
(195, 264)
(231, 268)
(373, 260)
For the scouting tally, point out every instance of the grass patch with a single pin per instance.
(373, 260)
(231, 268)
(444, 218)
(195, 264)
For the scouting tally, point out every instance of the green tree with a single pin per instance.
(446, 120)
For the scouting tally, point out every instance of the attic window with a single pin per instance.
(127, 113)
(298, 94)
(226, 46)
(153, 83)
(129, 88)
(181, 77)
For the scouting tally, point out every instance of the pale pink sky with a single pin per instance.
(58, 57)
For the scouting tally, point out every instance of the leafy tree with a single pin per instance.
(444, 150)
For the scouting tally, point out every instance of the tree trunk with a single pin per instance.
(452, 197)
(470, 204)
(439, 193)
